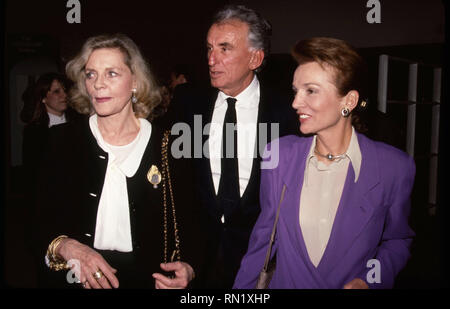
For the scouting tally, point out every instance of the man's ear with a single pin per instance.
(351, 99)
(256, 59)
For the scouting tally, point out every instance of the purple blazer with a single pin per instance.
(371, 221)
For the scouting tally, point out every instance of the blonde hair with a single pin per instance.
(148, 93)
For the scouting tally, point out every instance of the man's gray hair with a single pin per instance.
(259, 32)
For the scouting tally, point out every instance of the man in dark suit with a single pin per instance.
(228, 160)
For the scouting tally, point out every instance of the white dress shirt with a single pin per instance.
(113, 230)
(246, 121)
(321, 193)
(54, 120)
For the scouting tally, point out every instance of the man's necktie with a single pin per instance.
(228, 192)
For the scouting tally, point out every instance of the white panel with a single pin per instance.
(412, 96)
(382, 82)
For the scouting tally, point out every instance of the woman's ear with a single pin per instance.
(134, 84)
(256, 59)
(351, 99)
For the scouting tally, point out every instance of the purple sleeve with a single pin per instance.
(393, 251)
(253, 260)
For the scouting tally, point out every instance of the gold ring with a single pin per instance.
(98, 274)
(84, 283)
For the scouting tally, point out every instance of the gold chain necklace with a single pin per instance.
(176, 255)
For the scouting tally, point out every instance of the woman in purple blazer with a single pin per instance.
(343, 221)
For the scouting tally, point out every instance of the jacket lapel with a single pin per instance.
(254, 181)
(290, 209)
(141, 191)
(355, 208)
(204, 167)
(97, 162)
(293, 175)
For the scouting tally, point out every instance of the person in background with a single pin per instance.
(109, 206)
(179, 85)
(45, 105)
(179, 75)
(343, 222)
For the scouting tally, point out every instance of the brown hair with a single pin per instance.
(349, 67)
(34, 110)
(148, 93)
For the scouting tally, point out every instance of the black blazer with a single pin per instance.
(35, 139)
(227, 243)
(70, 187)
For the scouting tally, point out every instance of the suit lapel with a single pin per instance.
(207, 182)
(355, 207)
(293, 176)
(253, 182)
(262, 138)
(354, 210)
(143, 196)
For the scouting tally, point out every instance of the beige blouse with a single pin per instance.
(320, 196)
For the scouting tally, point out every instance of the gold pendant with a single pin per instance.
(154, 176)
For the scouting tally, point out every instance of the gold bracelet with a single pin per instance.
(56, 262)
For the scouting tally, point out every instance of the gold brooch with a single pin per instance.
(154, 176)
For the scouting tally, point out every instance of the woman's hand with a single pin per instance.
(90, 263)
(183, 275)
(356, 284)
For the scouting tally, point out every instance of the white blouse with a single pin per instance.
(55, 120)
(113, 230)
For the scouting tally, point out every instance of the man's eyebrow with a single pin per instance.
(311, 84)
(225, 44)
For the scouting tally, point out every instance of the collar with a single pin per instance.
(353, 153)
(54, 120)
(132, 162)
(247, 99)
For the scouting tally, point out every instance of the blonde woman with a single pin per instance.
(111, 220)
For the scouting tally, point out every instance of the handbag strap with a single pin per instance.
(274, 229)
(176, 254)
